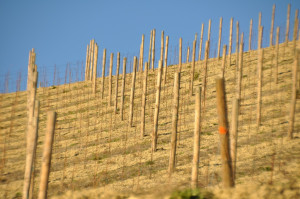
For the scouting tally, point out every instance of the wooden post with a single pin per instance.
(150, 48)
(92, 60)
(259, 85)
(174, 122)
(95, 68)
(201, 40)
(110, 77)
(36, 127)
(31, 130)
(230, 41)
(180, 54)
(188, 55)
(86, 63)
(197, 131)
(276, 54)
(208, 33)
(250, 34)
(240, 68)
(193, 68)
(103, 71)
(223, 132)
(142, 54)
(117, 83)
(204, 81)
(259, 21)
(162, 46)
(224, 60)
(287, 24)
(157, 104)
(123, 87)
(46, 161)
(166, 59)
(260, 36)
(272, 26)
(220, 37)
(237, 44)
(295, 33)
(144, 100)
(132, 91)
(294, 96)
(234, 134)
(153, 49)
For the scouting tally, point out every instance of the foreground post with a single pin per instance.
(144, 100)
(132, 92)
(223, 131)
(157, 103)
(46, 161)
(123, 87)
(294, 96)
(197, 131)
(117, 82)
(174, 123)
(103, 72)
(234, 134)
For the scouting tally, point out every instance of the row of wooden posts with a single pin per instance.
(33, 106)
(90, 74)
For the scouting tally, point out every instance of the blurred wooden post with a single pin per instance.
(240, 68)
(220, 37)
(36, 127)
(123, 87)
(110, 77)
(209, 29)
(153, 49)
(117, 83)
(157, 104)
(150, 48)
(250, 34)
(132, 92)
(204, 81)
(141, 60)
(162, 46)
(276, 54)
(287, 24)
(272, 26)
(259, 85)
(259, 21)
(294, 96)
(201, 40)
(193, 68)
(295, 32)
(188, 55)
(31, 127)
(234, 134)
(46, 161)
(92, 60)
(180, 54)
(230, 41)
(223, 132)
(103, 72)
(224, 60)
(86, 63)
(260, 36)
(197, 130)
(144, 100)
(174, 122)
(166, 59)
(237, 44)
(95, 68)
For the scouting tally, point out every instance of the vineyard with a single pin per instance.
(100, 146)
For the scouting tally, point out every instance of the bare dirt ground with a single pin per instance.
(96, 154)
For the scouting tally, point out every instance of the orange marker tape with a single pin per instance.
(222, 130)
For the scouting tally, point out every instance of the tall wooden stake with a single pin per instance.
(46, 161)
(117, 83)
(240, 68)
(188, 55)
(250, 34)
(132, 92)
(153, 49)
(103, 72)
(193, 68)
(220, 37)
(141, 58)
(150, 48)
(166, 59)
(237, 44)
(224, 137)
(144, 100)
(180, 54)
(110, 78)
(287, 23)
(224, 60)
(201, 40)
(162, 46)
(272, 26)
(259, 85)
(95, 68)
(197, 130)
(234, 134)
(276, 54)
(230, 41)
(123, 87)
(157, 104)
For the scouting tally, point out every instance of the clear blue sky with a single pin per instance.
(59, 30)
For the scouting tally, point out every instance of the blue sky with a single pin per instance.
(59, 30)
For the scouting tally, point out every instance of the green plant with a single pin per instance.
(18, 195)
(191, 194)
(150, 162)
(196, 76)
